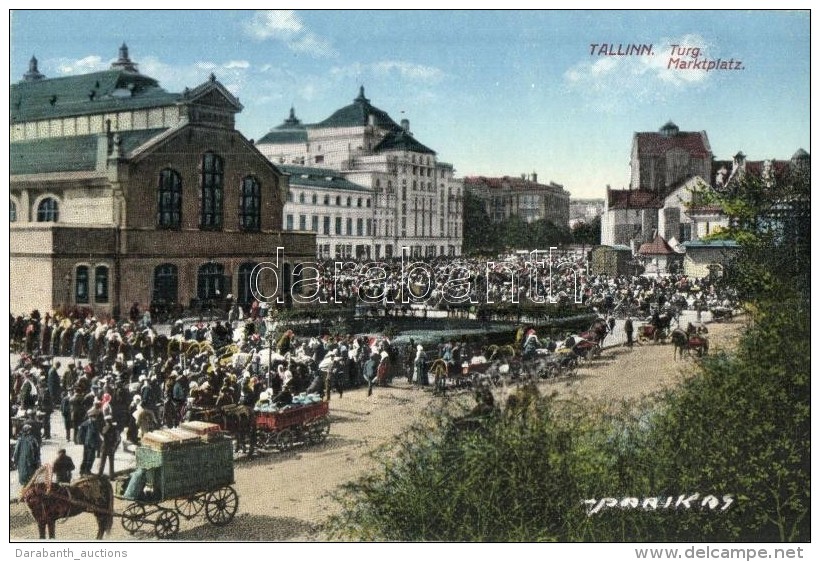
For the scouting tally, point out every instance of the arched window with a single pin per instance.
(313, 198)
(48, 210)
(166, 280)
(338, 200)
(302, 197)
(250, 205)
(212, 191)
(210, 281)
(81, 284)
(101, 284)
(169, 199)
(12, 211)
(244, 294)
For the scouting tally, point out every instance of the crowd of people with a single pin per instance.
(124, 378)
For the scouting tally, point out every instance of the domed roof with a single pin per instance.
(669, 129)
(290, 131)
(358, 114)
(401, 140)
(800, 154)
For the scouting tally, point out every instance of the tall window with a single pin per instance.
(12, 211)
(289, 222)
(302, 197)
(313, 198)
(166, 281)
(81, 285)
(212, 191)
(339, 225)
(244, 294)
(314, 223)
(210, 281)
(250, 205)
(349, 226)
(326, 225)
(359, 227)
(302, 222)
(48, 210)
(169, 199)
(101, 284)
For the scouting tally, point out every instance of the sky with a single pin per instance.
(492, 92)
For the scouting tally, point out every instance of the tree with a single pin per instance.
(480, 234)
(588, 233)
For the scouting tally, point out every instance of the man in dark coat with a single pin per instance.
(628, 329)
(63, 466)
(55, 385)
(110, 441)
(89, 434)
(369, 372)
(26, 455)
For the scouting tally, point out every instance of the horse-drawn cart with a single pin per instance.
(189, 470)
(299, 423)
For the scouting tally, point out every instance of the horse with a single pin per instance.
(683, 341)
(49, 502)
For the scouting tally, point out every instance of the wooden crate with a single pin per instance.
(187, 469)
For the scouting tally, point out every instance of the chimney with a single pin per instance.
(405, 124)
(534, 177)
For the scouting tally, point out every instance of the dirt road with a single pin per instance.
(284, 496)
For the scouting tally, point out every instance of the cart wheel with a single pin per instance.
(284, 440)
(270, 440)
(189, 507)
(262, 439)
(319, 431)
(167, 524)
(221, 506)
(133, 518)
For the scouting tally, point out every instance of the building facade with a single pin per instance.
(524, 197)
(122, 192)
(665, 167)
(338, 212)
(417, 202)
(662, 206)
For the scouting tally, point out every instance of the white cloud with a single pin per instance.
(274, 24)
(608, 82)
(238, 64)
(91, 63)
(286, 26)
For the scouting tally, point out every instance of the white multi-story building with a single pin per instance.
(416, 200)
(339, 212)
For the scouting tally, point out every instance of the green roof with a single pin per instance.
(290, 131)
(68, 154)
(279, 136)
(109, 90)
(320, 177)
(401, 140)
(358, 114)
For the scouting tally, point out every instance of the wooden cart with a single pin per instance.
(306, 423)
(185, 474)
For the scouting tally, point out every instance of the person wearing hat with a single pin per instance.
(110, 441)
(63, 466)
(26, 455)
(91, 440)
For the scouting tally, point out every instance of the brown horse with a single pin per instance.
(49, 502)
(683, 341)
